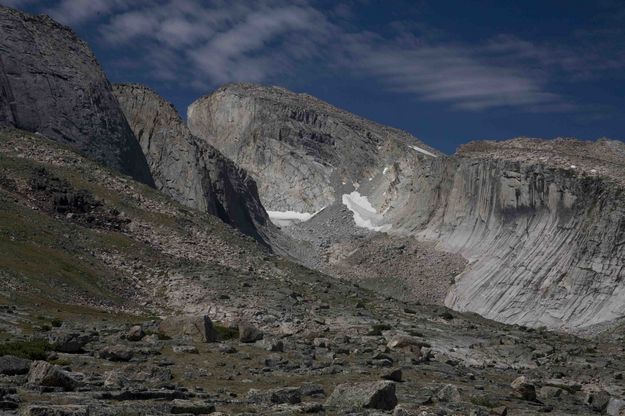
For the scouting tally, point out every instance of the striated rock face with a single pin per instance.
(545, 239)
(190, 170)
(51, 83)
(300, 150)
(542, 223)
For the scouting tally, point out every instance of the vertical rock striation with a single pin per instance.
(545, 237)
(190, 170)
(51, 83)
(541, 222)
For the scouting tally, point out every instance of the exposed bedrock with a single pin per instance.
(541, 222)
(190, 170)
(546, 244)
(51, 83)
(300, 150)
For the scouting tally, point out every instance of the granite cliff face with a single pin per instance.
(300, 150)
(51, 83)
(189, 170)
(541, 222)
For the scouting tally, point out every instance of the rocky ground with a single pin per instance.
(157, 309)
(402, 267)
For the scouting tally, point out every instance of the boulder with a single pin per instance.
(197, 328)
(12, 366)
(115, 353)
(394, 374)
(282, 395)
(524, 389)
(449, 393)
(616, 407)
(248, 333)
(68, 342)
(180, 406)
(135, 333)
(404, 341)
(370, 395)
(43, 373)
(598, 400)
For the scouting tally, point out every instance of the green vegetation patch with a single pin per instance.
(224, 332)
(32, 350)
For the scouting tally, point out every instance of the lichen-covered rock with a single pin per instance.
(190, 170)
(371, 395)
(524, 389)
(51, 83)
(43, 373)
(68, 342)
(196, 328)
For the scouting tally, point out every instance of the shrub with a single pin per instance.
(224, 332)
(32, 350)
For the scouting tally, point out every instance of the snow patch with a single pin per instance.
(365, 215)
(385, 170)
(286, 218)
(425, 152)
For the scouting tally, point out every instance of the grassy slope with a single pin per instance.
(49, 261)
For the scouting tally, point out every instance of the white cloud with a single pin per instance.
(208, 42)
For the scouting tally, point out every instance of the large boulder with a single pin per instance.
(249, 333)
(43, 373)
(12, 366)
(370, 395)
(68, 342)
(196, 328)
(51, 83)
(190, 170)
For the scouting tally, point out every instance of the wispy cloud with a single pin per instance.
(208, 42)
(462, 76)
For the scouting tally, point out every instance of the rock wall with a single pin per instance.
(541, 222)
(189, 170)
(51, 83)
(299, 149)
(545, 244)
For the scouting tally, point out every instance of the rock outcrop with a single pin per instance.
(51, 83)
(190, 170)
(300, 150)
(541, 222)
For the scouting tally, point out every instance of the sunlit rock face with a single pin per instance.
(540, 221)
(303, 153)
(544, 237)
(190, 170)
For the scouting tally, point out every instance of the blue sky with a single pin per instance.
(446, 71)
